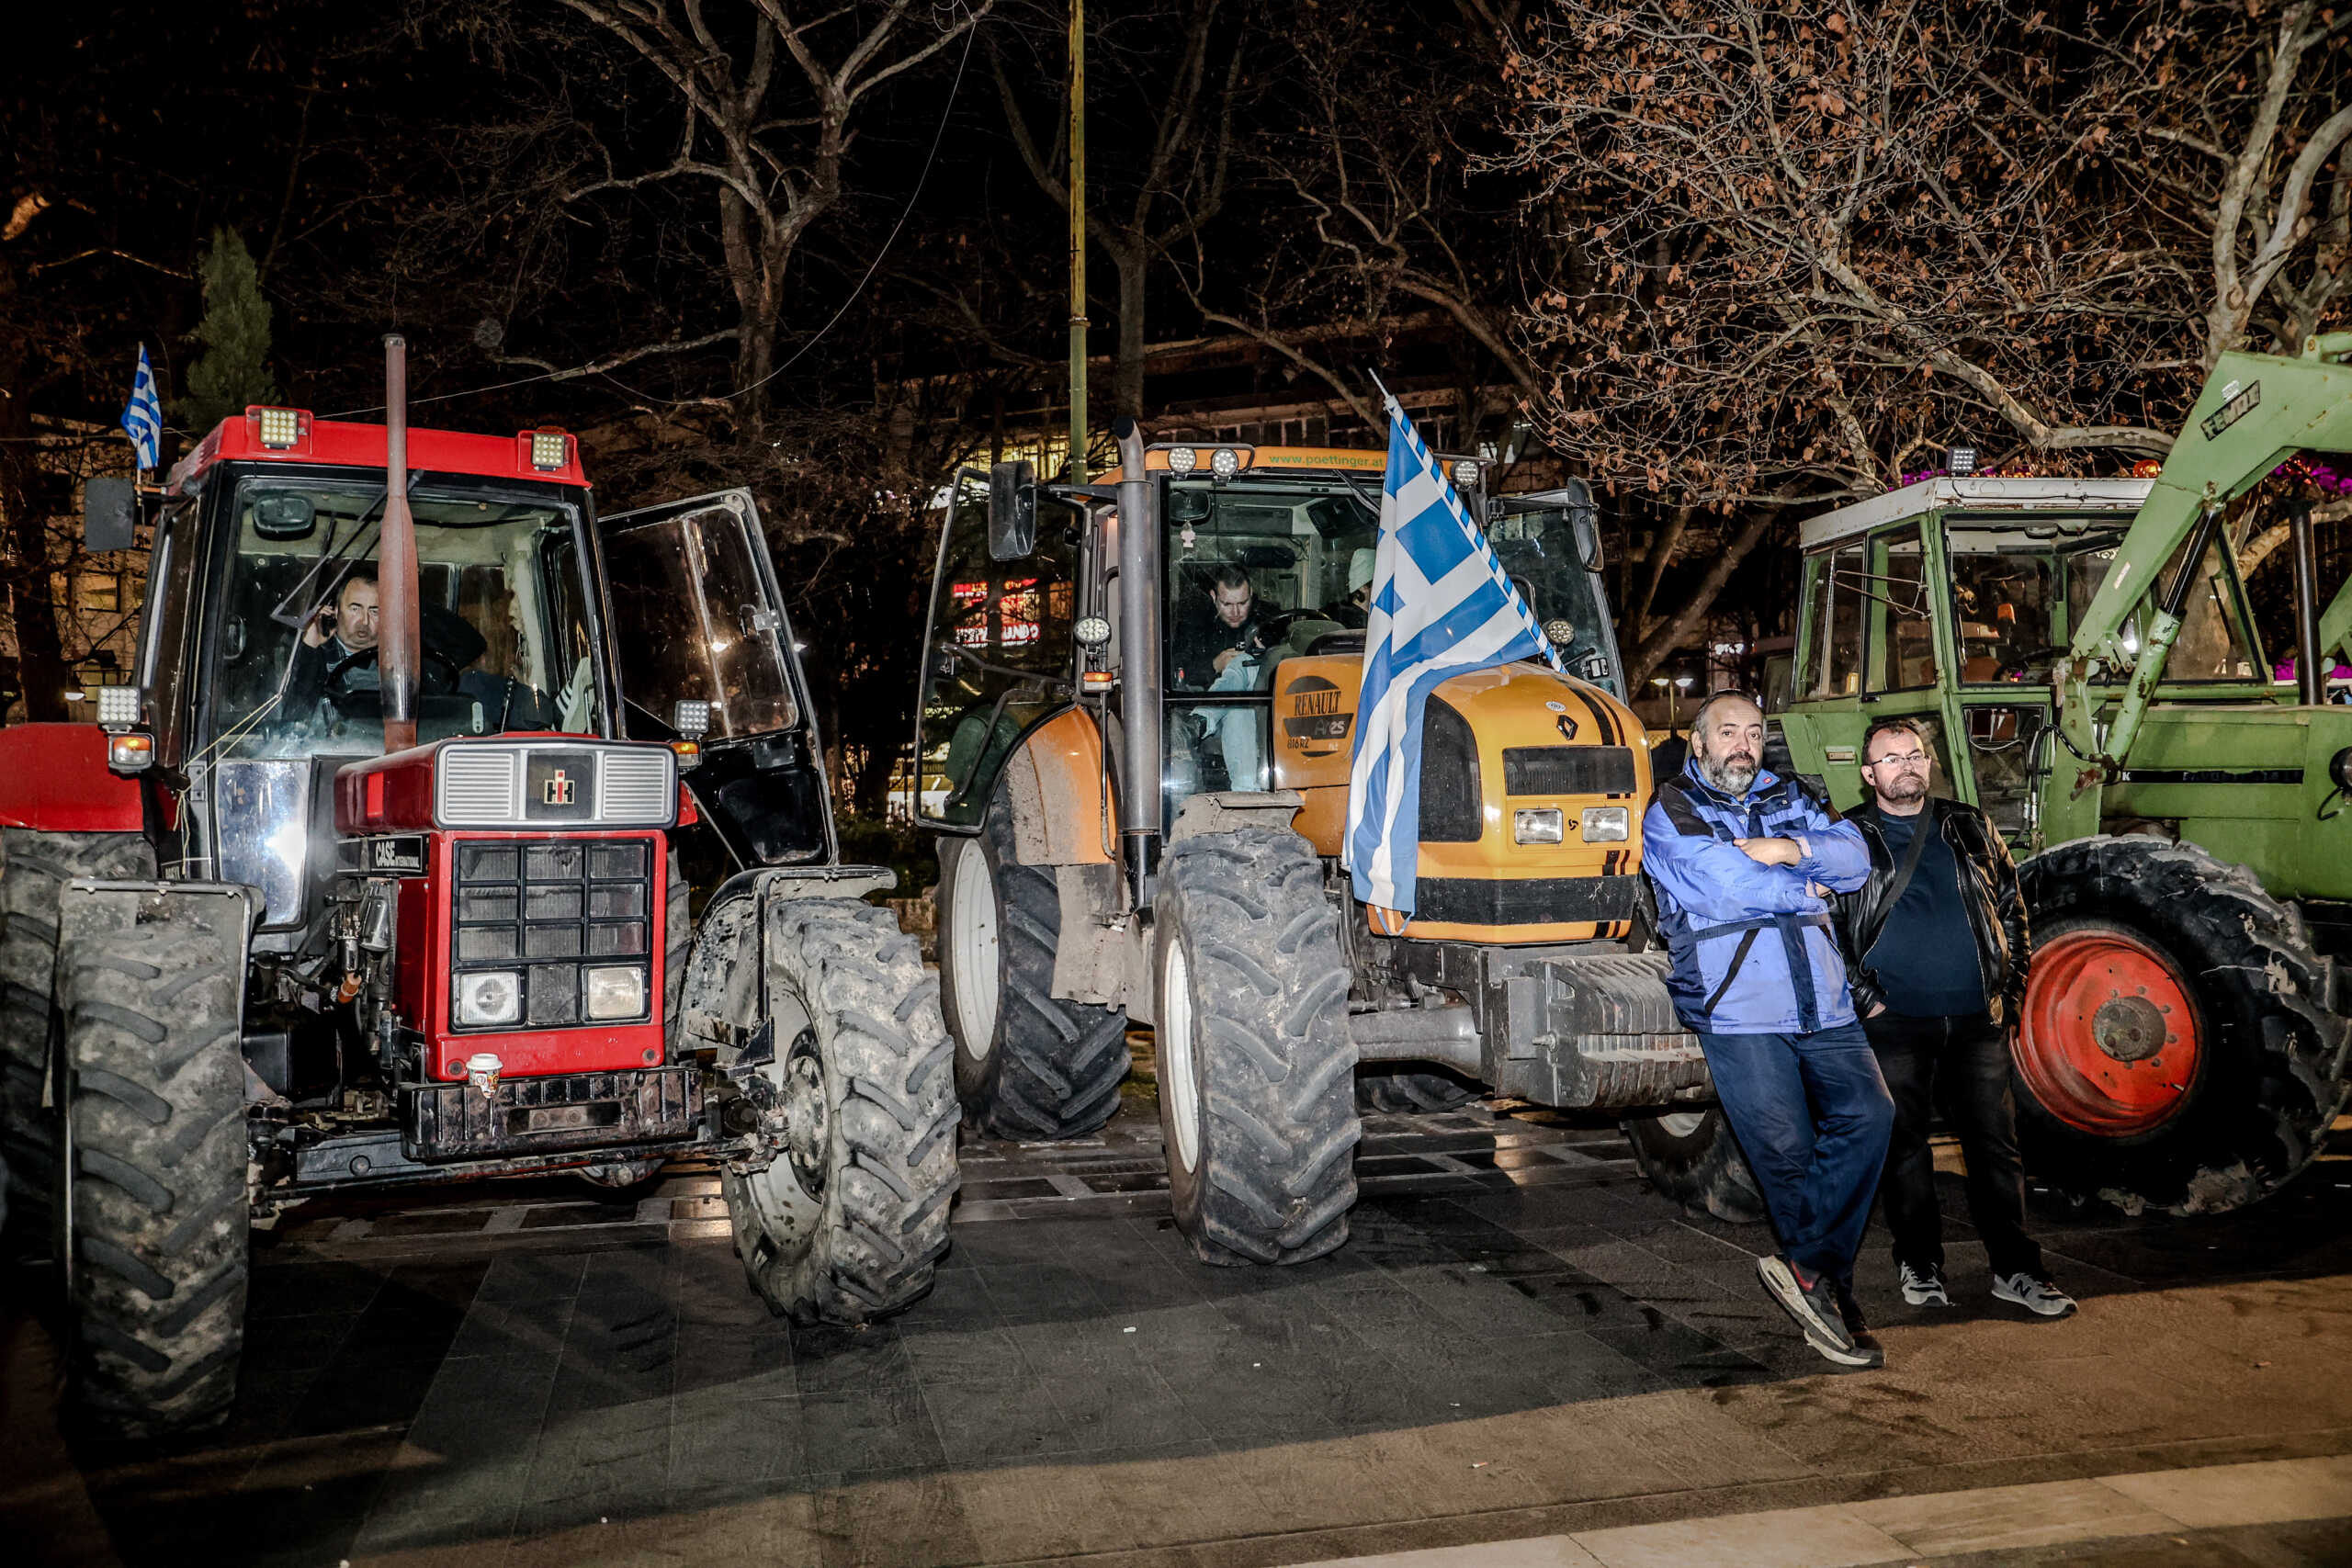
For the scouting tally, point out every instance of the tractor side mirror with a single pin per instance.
(1012, 510)
(109, 515)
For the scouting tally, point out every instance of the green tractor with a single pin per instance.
(2085, 659)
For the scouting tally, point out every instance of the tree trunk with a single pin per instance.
(1647, 653)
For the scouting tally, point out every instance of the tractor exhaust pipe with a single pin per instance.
(1139, 711)
(398, 636)
(2311, 675)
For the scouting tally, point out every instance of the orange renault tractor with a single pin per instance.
(1130, 832)
(323, 907)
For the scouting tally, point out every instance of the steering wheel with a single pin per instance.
(349, 700)
(1274, 630)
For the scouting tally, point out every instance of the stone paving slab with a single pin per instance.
(1536, 1349)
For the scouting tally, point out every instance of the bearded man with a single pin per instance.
(1744, 863)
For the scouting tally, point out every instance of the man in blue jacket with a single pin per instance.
(1744, 863)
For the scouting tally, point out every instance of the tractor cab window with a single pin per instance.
(2003, 593)
(1256, 573)
(694, 620)
(2213, 644)
(504, 646)
(998, 655)
(1900, 613)
(1833, 645)
(1551, 560)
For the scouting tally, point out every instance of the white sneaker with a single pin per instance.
(1925, 1287)
(2037, 1296)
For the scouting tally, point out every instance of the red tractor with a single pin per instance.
(372, 877)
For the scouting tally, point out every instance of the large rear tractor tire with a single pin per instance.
(1257, 1110)
(847, 1220)
(1408, 1092)
(33, 867)
(2176, 1050)
(1693, 1158)
(152, 1153)
(1029, 1066)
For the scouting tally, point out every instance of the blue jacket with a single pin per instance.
(1753, 950)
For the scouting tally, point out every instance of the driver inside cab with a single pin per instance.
(1226, 651)
(338, 650)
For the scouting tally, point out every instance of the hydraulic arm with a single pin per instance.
(2255, 411)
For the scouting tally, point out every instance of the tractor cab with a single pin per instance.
(1949, 601)
(1266, 556)
(381, 873)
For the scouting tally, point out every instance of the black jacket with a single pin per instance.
(1988, 888)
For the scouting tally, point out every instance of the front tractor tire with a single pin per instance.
(1257, 1107)
(1690, 1156)
(33, 867)
(152, 1157)
(2176, 1049)
(846, 1221)
(1029, 1066)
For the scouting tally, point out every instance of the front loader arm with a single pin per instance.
(2255, 411)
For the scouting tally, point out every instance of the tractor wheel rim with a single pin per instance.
(972, 947)
(2110, 1044)
(1178, 1072)
(807, 1119)
(1680, 1124)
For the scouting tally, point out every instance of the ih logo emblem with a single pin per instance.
(558, 790)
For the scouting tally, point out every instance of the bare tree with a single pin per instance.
(1827, 241)
(1161, 139)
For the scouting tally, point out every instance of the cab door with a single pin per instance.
(1549, 543)
(696, 615)
(997, 652)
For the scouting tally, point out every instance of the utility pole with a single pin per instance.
(1078, 471)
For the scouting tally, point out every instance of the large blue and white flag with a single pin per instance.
(143, 418)
(1441, 606)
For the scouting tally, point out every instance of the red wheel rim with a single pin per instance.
(2110, 1042)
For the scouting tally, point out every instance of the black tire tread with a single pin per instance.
(34, 867)
(2276, 1066)
(1409, 1092)
(1704, 1170)
(1056, 1068)
(1278, 1130)
(159, 1220)
(889, 1066)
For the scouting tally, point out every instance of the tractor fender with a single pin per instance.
(724, 960)
(1055, 782)
(54, 778)
(1225, 810)
(91, 906)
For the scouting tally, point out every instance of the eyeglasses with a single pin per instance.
(1908, 760)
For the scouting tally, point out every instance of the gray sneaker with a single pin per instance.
(1925, 1286)
(1812, 1302)
(2037, 1296)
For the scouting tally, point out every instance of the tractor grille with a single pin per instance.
(1451, 812)
(1568, 770)
(548, 908)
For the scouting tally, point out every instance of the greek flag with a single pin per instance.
(144, 419)
(1441, 606)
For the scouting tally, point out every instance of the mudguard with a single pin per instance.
(54, 778)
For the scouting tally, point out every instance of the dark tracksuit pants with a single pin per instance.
(1963, 1064)
(1811, 1114)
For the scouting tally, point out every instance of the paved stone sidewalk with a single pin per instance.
(1519, 1341)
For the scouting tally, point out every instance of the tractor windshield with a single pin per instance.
(1261, 571)
(506, 639)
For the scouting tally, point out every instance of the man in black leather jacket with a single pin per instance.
(1937, 947)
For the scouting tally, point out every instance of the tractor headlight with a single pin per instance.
(118, 706)
(493, 998)
(549, 449)
(1606, 824)
(1225, 462)
(1091, 631)
(1182, 460)
(1536, 825)
(616, 993)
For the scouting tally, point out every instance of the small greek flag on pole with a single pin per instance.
(1441, 606)
(144, 419)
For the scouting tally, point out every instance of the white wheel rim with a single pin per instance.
(1179, 1074)
(972, 949)
(1680, 1124)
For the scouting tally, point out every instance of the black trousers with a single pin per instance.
(1962, 1065)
